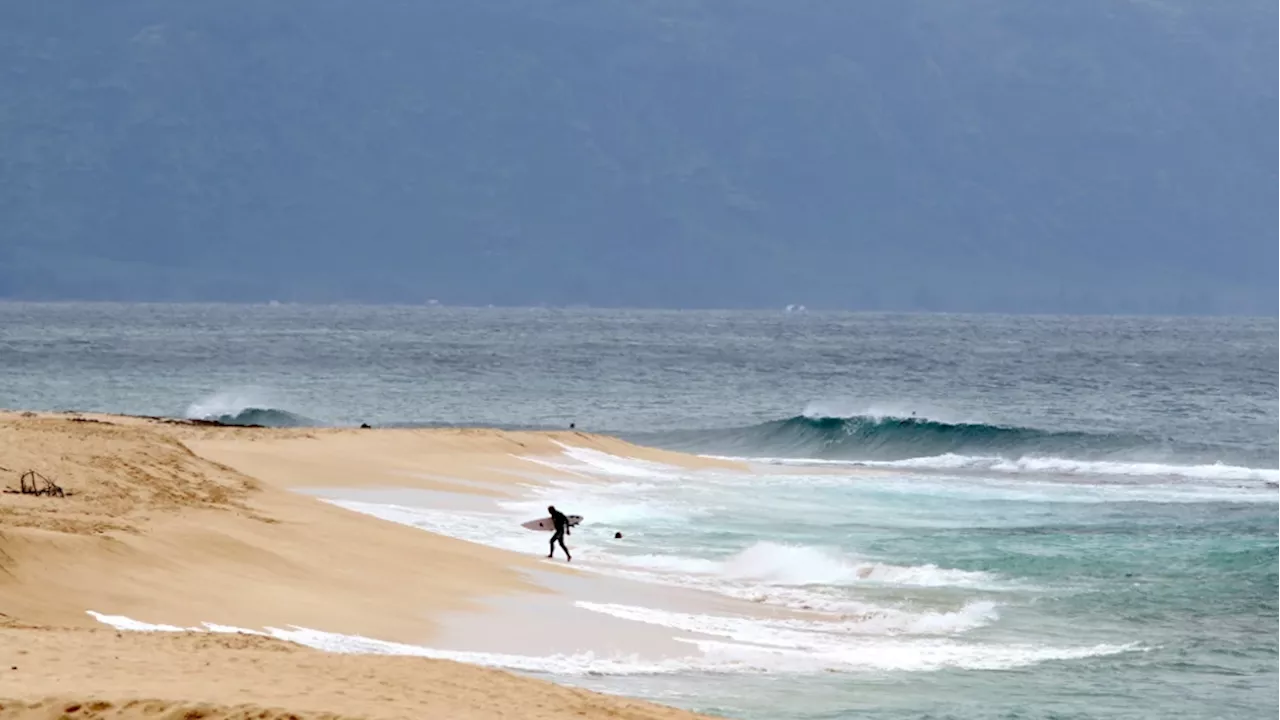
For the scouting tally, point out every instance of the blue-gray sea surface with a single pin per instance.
(1076, 518)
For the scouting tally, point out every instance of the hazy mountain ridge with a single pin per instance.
(1103, 155)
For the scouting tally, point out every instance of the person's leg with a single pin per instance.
(555, 536)
(567, 556)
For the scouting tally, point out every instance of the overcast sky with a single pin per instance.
(989, 155)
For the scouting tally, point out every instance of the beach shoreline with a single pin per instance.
(178, 524)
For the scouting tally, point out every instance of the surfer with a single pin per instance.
(562, 528)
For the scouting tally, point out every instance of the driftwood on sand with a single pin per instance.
(33, 483)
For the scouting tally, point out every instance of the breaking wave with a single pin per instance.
(244, 408)
(261, 417)
(864, 437)
(781, 564)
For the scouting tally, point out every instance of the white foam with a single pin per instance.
(766, 562)
(620, 502)
(782, 564)
(801, 578)
(1215, 471)
(492, 529)
(1184, 483)
(910, 656)
(1046, 464)
(773, 563)
(849, 409)
(870, 621)
(795, 576)
(120, 622)
(576, 664)
(837, 647)
(806, 654)
(500, 528)
(586, 461)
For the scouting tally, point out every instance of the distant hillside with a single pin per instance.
(1083, 156)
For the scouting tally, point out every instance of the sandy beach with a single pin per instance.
(181, 524)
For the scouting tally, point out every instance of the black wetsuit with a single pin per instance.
(562, 526)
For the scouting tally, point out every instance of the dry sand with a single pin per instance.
(107, 674)
(452, 459)
(179, 524)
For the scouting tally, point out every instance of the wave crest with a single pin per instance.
(244, 408)
(261, 417)
(896, 438)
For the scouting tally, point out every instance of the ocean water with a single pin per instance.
(999, 517)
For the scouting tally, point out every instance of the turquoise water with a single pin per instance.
(1188, 585)
(1014, 517)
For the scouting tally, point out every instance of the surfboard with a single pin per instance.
(548, 526)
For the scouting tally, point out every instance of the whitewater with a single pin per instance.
(884, 609)
(962, 516)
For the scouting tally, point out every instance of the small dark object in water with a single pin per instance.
(573, 426)
(617, 536)
(365, 426)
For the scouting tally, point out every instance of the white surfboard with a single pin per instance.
(548, 526)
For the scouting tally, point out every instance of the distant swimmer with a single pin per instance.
(562, 528)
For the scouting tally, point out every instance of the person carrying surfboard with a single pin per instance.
(561, 523)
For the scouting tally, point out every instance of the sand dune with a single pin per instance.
(156, 531)
(181, 524)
